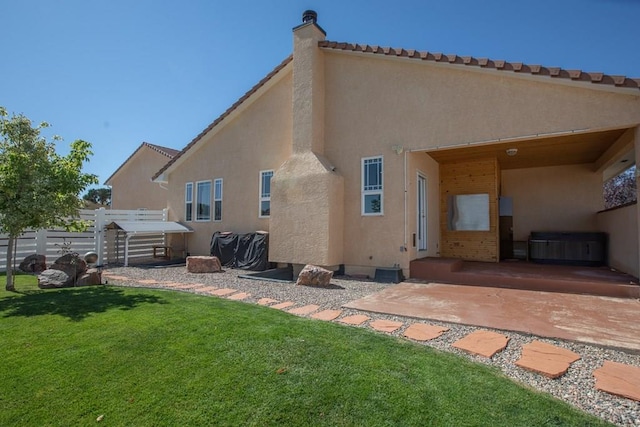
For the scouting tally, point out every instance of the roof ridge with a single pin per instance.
(502, 65)
(228, 111)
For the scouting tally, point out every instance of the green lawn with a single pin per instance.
(140, 357)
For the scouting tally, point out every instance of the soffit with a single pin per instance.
(550, 151)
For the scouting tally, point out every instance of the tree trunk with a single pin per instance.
(10, 286)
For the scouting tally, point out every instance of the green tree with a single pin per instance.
(101, 196)
(38, 188)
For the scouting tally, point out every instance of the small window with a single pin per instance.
(203, 201)
(188, 201)
(217, 199)
(265, 193)
(372, 186)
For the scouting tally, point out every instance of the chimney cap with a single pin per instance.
(309, 16)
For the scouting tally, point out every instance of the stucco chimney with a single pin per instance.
(308, 85)
(307, 193)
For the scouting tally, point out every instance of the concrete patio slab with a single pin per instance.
(619, 379)
(388, 326)
(605, 321)
(482, 343)
(327, 315)
(546, 359)
(424, 332)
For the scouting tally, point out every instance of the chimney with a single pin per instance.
(308, 86)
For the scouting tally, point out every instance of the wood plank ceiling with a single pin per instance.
(551, 151)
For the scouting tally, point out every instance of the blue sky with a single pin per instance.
(117, 73)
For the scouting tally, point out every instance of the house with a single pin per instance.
(139, 167)
(369, 157)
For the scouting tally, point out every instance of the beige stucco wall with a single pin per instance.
(259, 138)
(137, 172)
(374, 103)
(558, 198)
(621, 225)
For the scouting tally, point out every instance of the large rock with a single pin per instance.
(91, 277)
(71, 264)
(54, 279)
(203, 264)
(34, 264)
(312, 275)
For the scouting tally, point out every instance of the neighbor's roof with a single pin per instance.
(149, 227)
(486, 63)
(239, 102)
(165, 151)
(516, 67)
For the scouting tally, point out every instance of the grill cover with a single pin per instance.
(248, 251)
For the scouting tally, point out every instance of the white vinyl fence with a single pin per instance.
(108, 244)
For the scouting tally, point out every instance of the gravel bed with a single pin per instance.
(576, 387)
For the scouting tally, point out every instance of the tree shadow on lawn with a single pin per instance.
(75, 303)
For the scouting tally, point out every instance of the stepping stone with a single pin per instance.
(356, 319)
(207, 290)
(424, 332)
(327, 315)
(482, 343)
(115, 277)
(546, 359)
(172, 284)
(303, 311)
(148, 282)
(223, 292)
(266, 301)
(619, 379)
(385, 325)
(283, 305)
(239, 296)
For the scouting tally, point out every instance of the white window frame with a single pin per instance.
(217, 197)
(197, 202)
(263, 197)
(188, 201)
(367, 190)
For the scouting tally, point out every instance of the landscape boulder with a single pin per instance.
(312, 275)
(91, 277)
(203, 264)
(71, 264)
(54, 279)
(34, 264)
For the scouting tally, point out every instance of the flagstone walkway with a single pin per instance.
(537, 356)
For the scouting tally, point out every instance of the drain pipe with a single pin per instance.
(406, 225)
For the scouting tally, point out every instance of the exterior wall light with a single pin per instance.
(512, 152)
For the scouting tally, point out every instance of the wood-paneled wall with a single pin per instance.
(477, 177)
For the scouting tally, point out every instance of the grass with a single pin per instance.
(142, 357)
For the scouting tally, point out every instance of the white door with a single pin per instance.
(422, 213)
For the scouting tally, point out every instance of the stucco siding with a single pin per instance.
(622, 228)
(258, 139)
(559, 198)
(136, 174)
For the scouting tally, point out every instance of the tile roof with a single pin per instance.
(516, 67)
(169, 152)
(166, 151)
(239, 102)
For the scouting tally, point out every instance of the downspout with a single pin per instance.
(406, 220)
